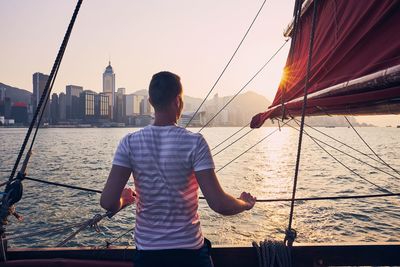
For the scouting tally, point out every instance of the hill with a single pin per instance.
(16, 94)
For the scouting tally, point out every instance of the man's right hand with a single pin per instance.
(128, 197)
(249, 199)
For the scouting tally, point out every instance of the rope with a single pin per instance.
(364, 162)
(328, 198)
(226, 139)
(91, 222)
(303, 112)
(238, 92)
(340, 142)
(365, 142)
(341, 163)
(109, 243)
(251, 147)
(232, 143)
(64, 185)
(273, 254)
(58, 229)
(226, 66)
(47, 88)
(260, 200)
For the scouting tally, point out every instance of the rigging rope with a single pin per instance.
(47, 88)
(244, 86)
(230, 144)
(226, 66)
(340, 142)
(258, 200)
(288, 238)
(251, 147)
(370, 148)
(365, 179)
(54, 230)
(64, 185)
(226, 139)
(337, 149)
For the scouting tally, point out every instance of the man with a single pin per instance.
(168, 164)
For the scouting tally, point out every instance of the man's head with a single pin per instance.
(165, 91)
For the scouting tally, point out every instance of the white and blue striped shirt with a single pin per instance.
(163, 160)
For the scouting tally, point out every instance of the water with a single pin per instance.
(82, 157)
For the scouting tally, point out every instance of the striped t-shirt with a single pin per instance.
(163, 160)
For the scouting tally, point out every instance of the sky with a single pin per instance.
(194, 39)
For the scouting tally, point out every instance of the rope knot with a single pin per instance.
(94, 222)
(290, 236)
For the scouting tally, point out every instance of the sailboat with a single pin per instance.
(344, 60)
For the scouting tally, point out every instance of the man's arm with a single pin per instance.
(217, 199)
(114, 196)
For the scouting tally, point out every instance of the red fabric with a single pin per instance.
(352, 39)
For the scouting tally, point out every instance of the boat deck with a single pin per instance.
(370, 254)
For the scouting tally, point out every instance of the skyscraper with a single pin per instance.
(39, 82)
(72, 101)
(62, 105)
(109, 87)
(54, 107)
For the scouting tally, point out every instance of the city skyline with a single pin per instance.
(195, 40)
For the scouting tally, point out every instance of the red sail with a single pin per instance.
(355, 67)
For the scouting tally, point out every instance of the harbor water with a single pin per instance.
(82, 157)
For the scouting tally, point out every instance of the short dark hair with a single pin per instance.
(164, 87)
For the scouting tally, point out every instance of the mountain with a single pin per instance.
(16, 94)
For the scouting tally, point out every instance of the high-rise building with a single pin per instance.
(87, 103)
(2, 93)
(19, 112)
(54, 109)
(73, 93)
(133, 104)
(120, 105)
(109, 87)
(102, 106)
(62, 107)
(39, 82)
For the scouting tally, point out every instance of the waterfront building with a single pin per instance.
(19, 112)
(120, 105)
(109, 87)
(54, 109)
(133, 104)
(73, 93)
(87, 106)
(102, 106)
(39, 81)
(62, 107)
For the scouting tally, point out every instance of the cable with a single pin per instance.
(226, 139)
(251, 147)
(64, 185)
(340, 142)
(226, 66)
(243, 135)
(303, 112)
(365, 142)
(337, 149)
(47, 87)
(252, 78)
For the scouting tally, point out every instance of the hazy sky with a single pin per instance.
(195, 39)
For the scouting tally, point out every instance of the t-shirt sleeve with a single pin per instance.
(122, 154)
(202, 156)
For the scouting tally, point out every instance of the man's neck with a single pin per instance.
(163, 119)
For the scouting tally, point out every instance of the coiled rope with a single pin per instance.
(273, 254)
